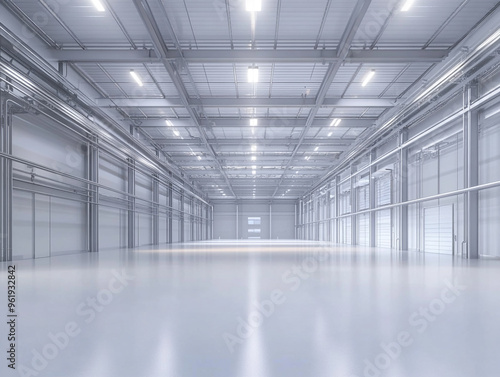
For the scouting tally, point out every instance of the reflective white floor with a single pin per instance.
(223, 309)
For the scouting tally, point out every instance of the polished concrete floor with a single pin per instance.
(255, 309)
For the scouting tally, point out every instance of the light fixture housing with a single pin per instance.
(253, 5)
(136, 77)
(335, 122)
(407, 5)
(368, 77)
(98, 5)
(253, 74)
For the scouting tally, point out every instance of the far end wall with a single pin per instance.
(251, 219)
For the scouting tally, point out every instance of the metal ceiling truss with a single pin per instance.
(342, 52)
(161, 49)
(152, 102)
(285, 56)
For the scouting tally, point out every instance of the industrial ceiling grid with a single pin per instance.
(275, 137)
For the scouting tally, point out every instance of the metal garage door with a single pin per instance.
(439, 230)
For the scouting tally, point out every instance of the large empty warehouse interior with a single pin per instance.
(250, 188)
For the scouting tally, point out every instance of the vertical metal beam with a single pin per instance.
(212, 222)
(403, 191)
(170, 213)
(471, 164)
(5, 182)
(237, 221)
(337, 209)
(295, 220)
(354, 205)
(131, 200)
(156, 210)
(328, 223)
(192, 222)
(93, 204)
(182, 219)
(373, 217)
(207, 221)
(131, 203)
(271, 220)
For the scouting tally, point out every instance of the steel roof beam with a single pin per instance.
(381, 56)
(259, 142)
(243, 102)
(263, 122)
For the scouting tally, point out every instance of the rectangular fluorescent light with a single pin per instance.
(199, 158)
(254, 158)
(335, 122)
(330, 134)
(176, 133)
(98, 5)
(253, 5)
(407, 5)
(253, 74)
(254, 172)
(316, 149)
(254, 122)
(368, 77)
(169, 123)
(135, 77)
(254, 167)
(254, 147)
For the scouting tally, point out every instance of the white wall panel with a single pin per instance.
(112, 227)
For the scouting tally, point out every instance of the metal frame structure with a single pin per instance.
(196, 78)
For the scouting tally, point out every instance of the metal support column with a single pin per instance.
(93, 205)
(211, 222)
(192, 222)
(156, 210)
(170, 213)
(131, 205)
(295, 220)
(5, 183)
(237, 221)
(337, 209)
(271, 221)
(207, 221)
(328, 222)
(354, 207)
(181, 225)
(471, 166)
(403, 191)
(373, 217)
